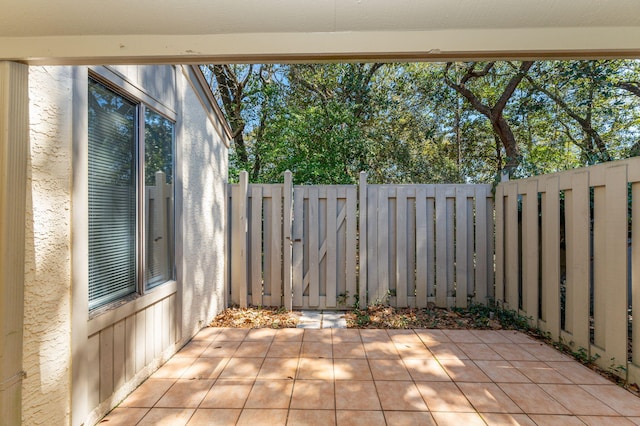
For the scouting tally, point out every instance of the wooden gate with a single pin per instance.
(333, 246)
(324, 246)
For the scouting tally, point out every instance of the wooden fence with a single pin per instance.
(159, 231)
(564, 258)
(333, 246)
(427, 243)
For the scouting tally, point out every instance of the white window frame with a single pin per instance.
(119, 85)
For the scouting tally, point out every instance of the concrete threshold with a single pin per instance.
(322, 319)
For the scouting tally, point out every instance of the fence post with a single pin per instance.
(362, 281)
(288, 242)
(239, 241)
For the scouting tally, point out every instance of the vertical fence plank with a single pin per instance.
(499, 243)
(482, 255)
(530, 250)
(461, 247)
(422, 260)
(239, 242)
(451, 250)
(551, 257)
(229, 260)
(255, 245)
(578, 258)
(331, 244)
(511, 244)
(491, 232)
(431, 242)
(268, 224)
(298, 249)
(600, 285)
(276, 246)
(372, 243)
(314, 249)
(351, 244)
(441, 247)
(383, 245)
(363, 242)
(401, 248)
(287, 240)
(471, 252)
(635, 271)
(411, 246)
(616, 259)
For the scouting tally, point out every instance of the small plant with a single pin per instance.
(362, 317)
(403, 322)
(356, 301)
(384, 300)
(582, 355)
(342, 298)
(482, 315)
(617, 369)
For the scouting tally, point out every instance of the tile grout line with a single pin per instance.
(294, 378)
(212, 384)
(333, 375)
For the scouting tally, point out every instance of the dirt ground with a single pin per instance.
(373, 317)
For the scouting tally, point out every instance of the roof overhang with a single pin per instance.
(197, 31)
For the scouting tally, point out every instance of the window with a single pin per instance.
(131, 196)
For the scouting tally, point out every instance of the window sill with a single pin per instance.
(102, 320)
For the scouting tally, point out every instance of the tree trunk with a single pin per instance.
(499, 124)
(503, 130)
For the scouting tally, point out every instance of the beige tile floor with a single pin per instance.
(373, 377)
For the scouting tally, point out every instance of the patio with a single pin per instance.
(373, 377)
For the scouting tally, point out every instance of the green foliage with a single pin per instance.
(616, 368)
(402, 123)
(483, 314)
(583, 356)
(342, 298)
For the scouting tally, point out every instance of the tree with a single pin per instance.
(414, 123)
(323, 127)
(243, 92)
(576, 94)
(493, 112)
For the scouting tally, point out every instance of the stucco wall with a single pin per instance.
(201, 180)
(47, 311)
(203, 159)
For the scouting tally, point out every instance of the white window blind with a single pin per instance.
(112, 195)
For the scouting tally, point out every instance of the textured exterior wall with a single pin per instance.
(47, 310)
(204, 176)
(48, 284)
